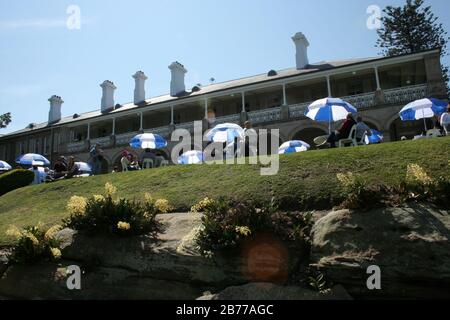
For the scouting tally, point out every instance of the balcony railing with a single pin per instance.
(265, 115)
(298, 110)
(187, 125)
(232, 118)
(103, 141)
(361, 101)
(74, 147)
(405, 94)
(162, 131)
(124, 139)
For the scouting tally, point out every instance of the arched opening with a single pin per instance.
(371, 125)
(308, 135)
(409, 129)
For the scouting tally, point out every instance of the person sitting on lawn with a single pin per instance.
(343, 132)
(361, 129)
(59, 168)
(73, 169)
(133, 164)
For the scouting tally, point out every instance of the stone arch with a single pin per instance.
(409, 129)
(118, 156)
(308, 134)
(372, 122)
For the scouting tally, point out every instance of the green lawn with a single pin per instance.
(306, 180)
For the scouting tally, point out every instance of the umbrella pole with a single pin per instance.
(424, 122)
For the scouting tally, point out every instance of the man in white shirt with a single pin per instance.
(361, 129)
(250, 140)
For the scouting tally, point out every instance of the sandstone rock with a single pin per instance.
(268, 291)
(49, 281)
(411, 246)
(138, 267)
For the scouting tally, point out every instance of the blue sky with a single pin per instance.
(227, 39)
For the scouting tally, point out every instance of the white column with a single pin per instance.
(171, 115)
(206, 108)
(243, 101)
(329, 86)
(88, 131)
(377, 77)
(114, 127)
(141, 121)
(284, 95)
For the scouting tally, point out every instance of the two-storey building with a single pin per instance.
(379, 87)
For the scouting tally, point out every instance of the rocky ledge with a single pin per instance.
(410, 246)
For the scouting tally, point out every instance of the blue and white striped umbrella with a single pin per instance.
(422, 109)
(84, 167)
(376, 137)
(4, 166)
(293, 147)
(225, 132)
(30, 159)
(329, 110)
(148, 141)
(192, 157)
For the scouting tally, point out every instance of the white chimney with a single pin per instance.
(107, 95)
(139, 88)
(54, 114)
(177, 83)
(301, 45)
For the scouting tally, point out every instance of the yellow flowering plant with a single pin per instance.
(202, 205)
(111, 214)
(76, 205)
(35, 243)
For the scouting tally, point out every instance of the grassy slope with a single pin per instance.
(307, 177)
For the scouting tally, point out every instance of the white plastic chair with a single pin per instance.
(433, 133)
(124, 161)
(147, 163)
(164, 163)
(350, 140)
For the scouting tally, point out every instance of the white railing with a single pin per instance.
(162, 131)
(405, 94)
(187, 125)
(103, 141)
(298, 110)
(232, 118)
(265, 115)
(124, 139)
(73, 147)
(359, 101)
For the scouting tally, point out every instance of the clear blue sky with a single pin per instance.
(227, 39)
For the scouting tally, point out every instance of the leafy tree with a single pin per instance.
(412, 28)
(5, 119)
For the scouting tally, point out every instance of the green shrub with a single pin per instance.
(15, 179)
(226, 223)
(103, 214)
(357, 194)
(34, 244)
